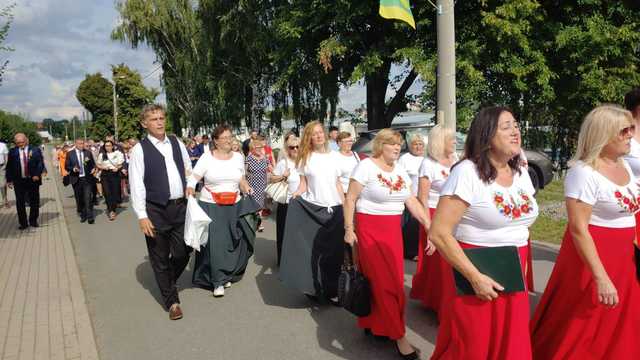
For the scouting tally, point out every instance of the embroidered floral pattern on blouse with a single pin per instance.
(397, 186)
(514, 209)
(630, 204)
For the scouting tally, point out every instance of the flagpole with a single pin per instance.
(446, 73)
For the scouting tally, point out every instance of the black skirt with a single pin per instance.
(312, 248)
(232, 233)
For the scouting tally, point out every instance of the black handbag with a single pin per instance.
(354, 291)
(65, 180)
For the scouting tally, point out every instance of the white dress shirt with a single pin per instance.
(136, 173)
(113, 160)
(80, 156)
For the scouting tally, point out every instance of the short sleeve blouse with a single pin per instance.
(293, 180)
(613, 206)
(412, 164)
(321, 173)
(346, 164)
(437, 174)
(383, 193)
(497, 215)
(219, 175)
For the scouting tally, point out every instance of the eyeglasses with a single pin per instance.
(629, 130)
(295, 147)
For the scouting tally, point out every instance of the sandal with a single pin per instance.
(112, 216)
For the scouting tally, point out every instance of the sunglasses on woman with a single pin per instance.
(629, 130)
(294, 147)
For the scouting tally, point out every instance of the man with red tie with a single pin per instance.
(25, 167)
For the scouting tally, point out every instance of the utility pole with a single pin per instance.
(446, 76)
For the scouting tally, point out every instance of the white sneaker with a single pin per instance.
(218, 291)
(227, 285)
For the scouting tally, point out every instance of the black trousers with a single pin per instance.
(82, 193)
(27, 190)
(168, 253)
(111, 189)
(281, 219)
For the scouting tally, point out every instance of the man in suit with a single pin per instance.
(158, 168)
(81, 167)
(25, 168)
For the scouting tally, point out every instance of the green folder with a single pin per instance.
(501, 263)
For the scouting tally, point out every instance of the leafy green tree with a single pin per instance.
(95, 93)
(132, 95)
(6, 18)
(10, 124)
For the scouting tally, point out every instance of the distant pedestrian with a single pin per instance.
(81, 168)
(411, 162)
(25, 168)
(346, 158)
(333, 139)
(158, 168)
(258, 167)
(4, 155)
(110, 162)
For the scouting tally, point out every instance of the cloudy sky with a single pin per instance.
(58, 42)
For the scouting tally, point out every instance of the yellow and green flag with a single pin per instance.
(397, 9)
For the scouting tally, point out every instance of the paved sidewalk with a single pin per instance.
(43, 312)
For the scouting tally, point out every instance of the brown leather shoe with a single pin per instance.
(175, 312)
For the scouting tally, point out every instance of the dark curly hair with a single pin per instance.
(482, 130)
(632, 99)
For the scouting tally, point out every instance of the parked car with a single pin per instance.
(540, 165)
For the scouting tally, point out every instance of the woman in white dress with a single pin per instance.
(312, 248)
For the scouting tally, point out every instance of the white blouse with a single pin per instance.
(437, 174)
(497, 215)
(293, 180)
(112, 161)
(412, 164)
(613, 206)
(383, 193)
(321, 172)
(219, 175)
(346, 164)
(633, 157)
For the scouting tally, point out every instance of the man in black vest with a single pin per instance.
(81, 168)
(25, 168)
(158, 168)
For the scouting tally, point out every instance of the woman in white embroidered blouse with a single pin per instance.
(487, 201)
(590, 306)
(378, 192)
(346, 158)
(432, 271)
(110, 161)
(411, 162)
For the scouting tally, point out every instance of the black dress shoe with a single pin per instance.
(22, 227)
(91, 221)
(34, 224)
(83, 220)
(410, 356)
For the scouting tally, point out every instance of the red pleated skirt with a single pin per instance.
(433, 276)
(570, 323)
(381, 262)
(474, 329)
(638, 227)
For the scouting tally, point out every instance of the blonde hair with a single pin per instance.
(291, 140)
(599, 127)
(438, 137)
(385, 136)
(306, 144)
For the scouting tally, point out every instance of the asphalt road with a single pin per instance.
(258, 318)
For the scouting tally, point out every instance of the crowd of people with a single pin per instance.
(429, 205)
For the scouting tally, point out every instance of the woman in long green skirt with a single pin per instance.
(223, 260)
